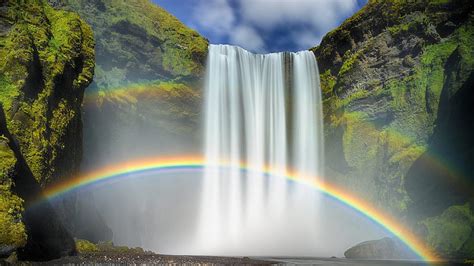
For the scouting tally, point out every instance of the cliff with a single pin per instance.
(397, 85)
(139, 41)
(145, 98)
(141, 48)
(47, 62)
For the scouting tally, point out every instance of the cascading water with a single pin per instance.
(265, 111)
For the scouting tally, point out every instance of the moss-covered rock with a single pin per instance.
(12, 230)
(84, 246)
(47, 62)
(148, 76)
(451, 233)
(138, 41)
(391, 74)
(106, 247)
(126, 113)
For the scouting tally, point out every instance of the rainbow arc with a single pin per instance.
(182, 164)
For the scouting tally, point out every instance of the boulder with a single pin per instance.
(385, 248)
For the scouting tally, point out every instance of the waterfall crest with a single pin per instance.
(265, 111)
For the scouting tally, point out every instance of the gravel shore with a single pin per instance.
(113, 258)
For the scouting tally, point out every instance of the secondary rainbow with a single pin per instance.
(197, 163)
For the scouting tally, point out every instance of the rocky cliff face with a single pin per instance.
(397, 87)
(47, 62)
(142, 51)
(145, 98)
(139, 41)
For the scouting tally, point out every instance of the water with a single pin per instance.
(265, 111)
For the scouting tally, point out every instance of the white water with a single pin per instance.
(265, 111)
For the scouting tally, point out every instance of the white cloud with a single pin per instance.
(306, 39)
(243, 22)
(214, 15)
(248, 38)
(272, 13)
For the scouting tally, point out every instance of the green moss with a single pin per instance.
(8, 92)
(139, 42)
(47, 61)
(327, 82)
(379, 118)
(440, 2)
(349, 61)
(84, 246)
(449, 232)
(357, 137)
(416, 97)
(110, 247)
(414, 24)
(13, 231)
(414, 102)
(42, 47)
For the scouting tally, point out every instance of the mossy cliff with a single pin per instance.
(145, 97)
(138, 41)
(140, 47)
(392, 78)
(47, 62)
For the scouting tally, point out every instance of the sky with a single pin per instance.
(263, 26)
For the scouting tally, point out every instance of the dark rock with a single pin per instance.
(47, 237)
(12, 259)
(41, 120)
(6, 251)
(446, 28)
(385, 248)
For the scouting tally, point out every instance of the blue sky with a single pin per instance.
(263, 25)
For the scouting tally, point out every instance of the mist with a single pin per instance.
(163, 212)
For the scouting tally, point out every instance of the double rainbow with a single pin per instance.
(180, 164)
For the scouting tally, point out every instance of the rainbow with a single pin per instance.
(179, 164)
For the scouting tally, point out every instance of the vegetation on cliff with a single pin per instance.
(149, 68)
(47, 62)
(385, 72)
(143, 98)
(138, 41)
(13, 232)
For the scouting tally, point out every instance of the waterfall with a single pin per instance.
(265, 111)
